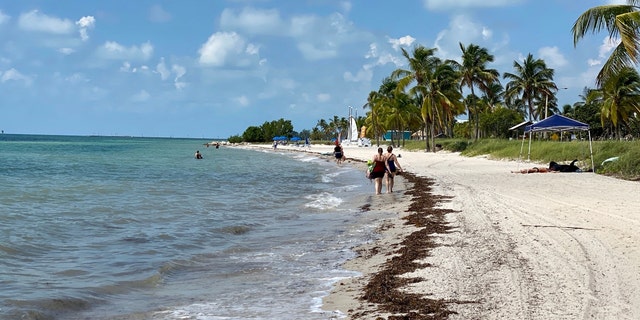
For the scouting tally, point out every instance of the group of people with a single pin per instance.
(384, 165)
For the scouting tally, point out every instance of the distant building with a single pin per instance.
(397, 135)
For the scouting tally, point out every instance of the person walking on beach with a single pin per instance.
(393, 166)
(380, 165)
(338, 152)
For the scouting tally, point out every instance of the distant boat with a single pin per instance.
(352, 136)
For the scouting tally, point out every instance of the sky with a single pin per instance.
(211, 69)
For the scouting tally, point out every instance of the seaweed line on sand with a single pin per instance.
(384, 288)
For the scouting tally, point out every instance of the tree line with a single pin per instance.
(431, 94)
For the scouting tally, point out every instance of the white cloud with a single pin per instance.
(323, 97)
(455, 4)
(224, 48)
(15, 75)
(405, 41)
(593, 62)
(313, 51)
(346, 6)
(384, 58)
(4, 18)
(66, 51)
(253, 21)
(77, 78)
(158, 14)
(364, 75)
(608, 44)
(317, 37)
(162, 69)
(179, 71)
(252, 49)
(242, 101)
(141, 96)
(165, 73)
(84, 24)
(112, 50)
(552, 57)
(461, 29)
(36, 21)
(126, 66)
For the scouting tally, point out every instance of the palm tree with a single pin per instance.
(375, 102)
(323, 127)
(421, 64)
(494, 94)
(619, 98)
(622, 21)
(531, 79)
(474, 73)
(434, 83)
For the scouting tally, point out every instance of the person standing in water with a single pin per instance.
(198, 155)
(338, 152)
(380, 165)
(393, 166)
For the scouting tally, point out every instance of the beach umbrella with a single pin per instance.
(295, 139)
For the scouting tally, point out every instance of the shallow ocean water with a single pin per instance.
(136, 228)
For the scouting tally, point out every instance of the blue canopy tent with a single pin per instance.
(556, 123)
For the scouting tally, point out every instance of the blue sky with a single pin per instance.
(210, 69)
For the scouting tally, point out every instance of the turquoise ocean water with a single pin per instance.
(136, 228)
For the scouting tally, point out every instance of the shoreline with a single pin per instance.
(402, 239)
(515, 246)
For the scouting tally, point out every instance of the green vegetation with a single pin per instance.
(626, 167)
(430, 95)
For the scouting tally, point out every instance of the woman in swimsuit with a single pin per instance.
(338, 153)
(380, 165)
(393, 165)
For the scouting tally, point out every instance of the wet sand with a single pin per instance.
(471, 240)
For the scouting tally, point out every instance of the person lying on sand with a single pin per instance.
(553, 167)
(533, 170)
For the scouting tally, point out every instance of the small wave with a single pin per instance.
(329, 176)
(305, 158)
(323, 201)
(49, 308)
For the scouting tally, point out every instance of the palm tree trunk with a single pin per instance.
(426, 137)
(432, 133)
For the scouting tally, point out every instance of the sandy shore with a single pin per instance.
(513, 246)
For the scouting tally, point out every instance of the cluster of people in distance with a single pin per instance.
(381, 166)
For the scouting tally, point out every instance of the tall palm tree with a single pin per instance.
(375, 102)
(474, 73)
(621, 20)
(421, 63)
(531, 79)
(619, 98)
(434, 82)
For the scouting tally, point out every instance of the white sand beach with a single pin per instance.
(523, 246)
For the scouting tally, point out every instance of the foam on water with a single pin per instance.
(323, 201)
